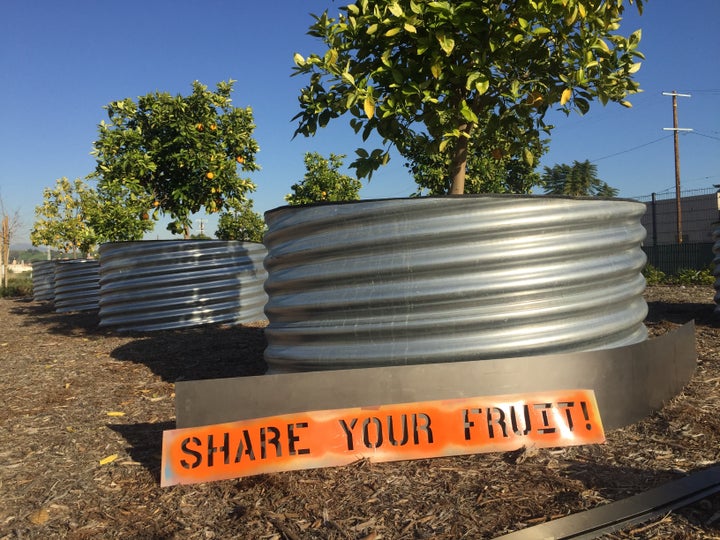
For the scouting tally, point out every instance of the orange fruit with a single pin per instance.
(156, 204)
(210, 175)
(213, 127)
(240, 159)
(199, 127)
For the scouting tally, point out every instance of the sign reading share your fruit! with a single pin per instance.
(383, 433)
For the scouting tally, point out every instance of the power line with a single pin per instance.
(705, 135)
(631, 149)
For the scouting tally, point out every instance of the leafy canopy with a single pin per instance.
(116, 214)
(579, 180)
(181, 152)
(324, 182)
(457, 71)
(60, 220)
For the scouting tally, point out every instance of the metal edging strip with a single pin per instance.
(629, 382)
(615, 516)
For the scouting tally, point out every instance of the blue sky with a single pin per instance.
(61, 62)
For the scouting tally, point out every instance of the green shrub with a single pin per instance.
(688, 276)
(18, 285)
(653, 276)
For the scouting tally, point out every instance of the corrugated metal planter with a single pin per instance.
(164, 284)
(77, 285)
(409, 281)
(716, 267)
(43, 280)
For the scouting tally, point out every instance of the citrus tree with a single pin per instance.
(117, 214)
(324, 182)
(459, 71)
(579, 179)
(182, 153)
(244, 224)
(60, 220)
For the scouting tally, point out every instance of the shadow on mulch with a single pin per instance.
(681, 313)
(86, 322)
(203, 352)
(208, 352)
(145, 442)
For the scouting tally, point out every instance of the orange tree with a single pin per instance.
(324, 182)
(181, 152)
(60, 221)
(242, 224)
(459, 72)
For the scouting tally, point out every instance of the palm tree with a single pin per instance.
(577, 180)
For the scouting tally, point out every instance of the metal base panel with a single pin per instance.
(630, 382)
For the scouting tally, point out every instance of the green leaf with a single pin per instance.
(331, 56)
(436, 70)
(372, 29)
(467, 113)
(447, 44)
(348, 78)
(582, 105)
(392, 32)
(299, 60)
(482, 86)
(395, 9)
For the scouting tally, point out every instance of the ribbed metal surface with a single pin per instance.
(77, 285)
(158, 285)
(716, 267)
(407, 281)
(43, 280)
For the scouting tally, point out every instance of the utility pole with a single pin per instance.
(202, 227)
(675, 129)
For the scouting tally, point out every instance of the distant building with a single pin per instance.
(700, 216)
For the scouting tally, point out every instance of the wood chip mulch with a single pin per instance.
(84, 408)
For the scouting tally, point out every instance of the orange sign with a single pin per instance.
(383, 433)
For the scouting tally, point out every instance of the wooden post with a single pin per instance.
(676, 140)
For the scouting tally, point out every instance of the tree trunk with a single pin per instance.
(5, 251)
(459, 164)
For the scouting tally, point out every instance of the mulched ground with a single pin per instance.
(83, 411)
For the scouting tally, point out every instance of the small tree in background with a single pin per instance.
(244, 224)
(459, 72)
(180, 152)
(578, 180)
(9, 224)
(60, 221)
(324, 182)
(496, 170)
